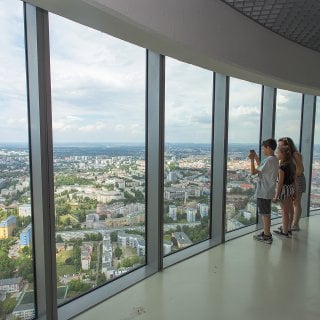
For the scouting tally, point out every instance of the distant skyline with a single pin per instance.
(98, 90)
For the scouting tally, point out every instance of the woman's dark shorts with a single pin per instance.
(264, 206)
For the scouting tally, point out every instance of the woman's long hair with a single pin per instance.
(289, 142)
(287, 158)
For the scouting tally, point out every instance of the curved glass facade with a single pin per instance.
(116, 111)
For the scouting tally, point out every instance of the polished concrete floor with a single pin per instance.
(242, 279)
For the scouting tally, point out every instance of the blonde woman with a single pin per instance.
(300, 180)
(285, 190)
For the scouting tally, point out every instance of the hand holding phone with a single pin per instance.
(252, 154)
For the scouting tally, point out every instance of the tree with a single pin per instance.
(76, 255)
(2, 315)
(114, 236)
(78, 286)
(7, 266)
(67, 222)
(82, 215)
(126, 263)
(25, 268)
(135, 260)
(101, 279)
(110, 187)
(117, 252)
(26, 251)
(8, 305)
(167, 219)
(59, 238)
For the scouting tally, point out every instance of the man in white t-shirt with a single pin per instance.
(267, 171)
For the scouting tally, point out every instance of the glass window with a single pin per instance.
(98, 103)
(287, 123)
(243, 135)
(187, 159)
(16, 258)
(315, 179)
(288, 115)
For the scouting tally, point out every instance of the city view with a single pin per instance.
(100, 212)
(98, 93)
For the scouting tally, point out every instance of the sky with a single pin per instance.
(244, 111)
(13, 103)
(288, 115)
(188, 103)
(98, 90)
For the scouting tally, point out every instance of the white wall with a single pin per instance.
(207, 33)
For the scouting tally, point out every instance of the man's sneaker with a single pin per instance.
(263, 238)
(295, 227)
(289, 231)
(281, 233)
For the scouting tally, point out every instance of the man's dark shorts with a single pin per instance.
(264, 206)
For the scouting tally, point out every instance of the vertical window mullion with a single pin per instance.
(268, 113)
(220, 146)
(306, 145)
(155, 150)
(40, 126)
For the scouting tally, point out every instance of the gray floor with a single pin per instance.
(242, 279)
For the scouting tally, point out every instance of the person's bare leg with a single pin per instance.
(297, 209)
(285, 215)
(266, 219)
(290, 213)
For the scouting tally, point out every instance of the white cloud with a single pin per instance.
(98, 126)
(13, 101)
(99, 80)
(98, 90)
(244, 112)
(188, 104)
(288, 115)
(282, 98)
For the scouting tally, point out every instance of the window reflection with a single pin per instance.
(16, 251)
(243, 135)
(98, 92)
(188, 118)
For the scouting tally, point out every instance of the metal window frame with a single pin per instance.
(306, 146)
(264, 126)
(317, 112)
(155, 152)
(220, 151)
(268, 118)
(154, 85)
(40, 142)
(41, 155)
(214, 235)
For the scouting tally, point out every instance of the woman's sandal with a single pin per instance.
(281, 233)
(289, 231)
